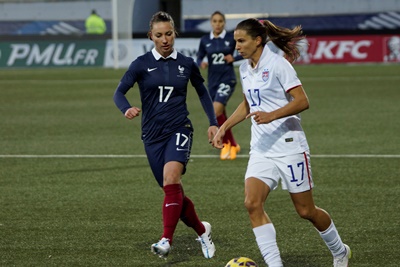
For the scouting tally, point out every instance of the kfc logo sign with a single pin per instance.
(342, 49)
(392, 49)
(349, 49)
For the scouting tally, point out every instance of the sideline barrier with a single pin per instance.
(321, 50)
(52, 54)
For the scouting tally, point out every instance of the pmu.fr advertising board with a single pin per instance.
(81, 53)
(52, 54)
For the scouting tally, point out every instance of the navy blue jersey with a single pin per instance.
(163, 89)
(219, 71)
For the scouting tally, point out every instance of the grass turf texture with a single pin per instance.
(107, 211)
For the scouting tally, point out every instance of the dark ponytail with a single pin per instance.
(283, 38)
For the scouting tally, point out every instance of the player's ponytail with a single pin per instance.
(283, 38)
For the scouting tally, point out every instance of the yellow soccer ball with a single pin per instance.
(241, 261)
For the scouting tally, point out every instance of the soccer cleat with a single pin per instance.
(225, 151)
(344, 260)
(161, 248)
(233, 152)
(207, 245)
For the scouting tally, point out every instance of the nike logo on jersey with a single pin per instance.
(244, 77)
(150, 70)
(300, 183)
(208, 45)
(171, 204)
(181, 149)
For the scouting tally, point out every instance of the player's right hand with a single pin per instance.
(132, 113)
(217, 140)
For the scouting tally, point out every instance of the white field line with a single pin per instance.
(195, 156)
(90, 81)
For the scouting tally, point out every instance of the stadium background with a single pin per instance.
(75, 186)
(51, 33)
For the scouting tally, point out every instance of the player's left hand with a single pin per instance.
(229, 58)
(260, 117)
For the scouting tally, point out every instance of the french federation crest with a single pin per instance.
(181, 73)
(265, 75)
(181, 69)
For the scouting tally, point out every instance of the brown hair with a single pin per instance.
(161, 16)
(283, 38)
(218, 13)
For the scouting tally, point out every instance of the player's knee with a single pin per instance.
(219, 112)
(172, 179)
(306, 213)
(252, 206)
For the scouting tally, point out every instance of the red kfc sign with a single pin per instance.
(350, 49)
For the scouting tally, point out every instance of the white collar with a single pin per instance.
(263, 58)
(222, 35)
(157, 55)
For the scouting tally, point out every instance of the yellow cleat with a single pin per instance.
(225, 151)
(234, 151)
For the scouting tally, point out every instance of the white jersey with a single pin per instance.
(266, 88)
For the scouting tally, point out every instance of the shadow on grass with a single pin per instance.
(304, 260)
(85, 170)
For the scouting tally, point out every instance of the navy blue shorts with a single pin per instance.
(221, 92)
(175, 148)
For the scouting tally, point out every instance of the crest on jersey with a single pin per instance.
(265, 75)
(181, 69)
(226, 43)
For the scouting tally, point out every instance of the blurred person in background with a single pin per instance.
(95, 24)
(163, 75)
(393, 46)
(279, 152)
(219, 47)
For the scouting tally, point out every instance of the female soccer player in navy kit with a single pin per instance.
(163, 76)
(219, 47)
(273, 99)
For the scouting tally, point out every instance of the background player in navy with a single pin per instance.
(219, 47)
(163, 76)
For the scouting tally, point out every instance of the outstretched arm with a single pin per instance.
(238, 116)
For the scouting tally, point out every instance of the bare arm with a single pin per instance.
(238, 116)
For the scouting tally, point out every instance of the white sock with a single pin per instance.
(333, 241)
(266, 241)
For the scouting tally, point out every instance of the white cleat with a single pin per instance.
(161, 248)
(344, 260)
(207, 245)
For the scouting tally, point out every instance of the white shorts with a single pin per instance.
(294, 170)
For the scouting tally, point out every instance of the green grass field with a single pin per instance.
(76, 190)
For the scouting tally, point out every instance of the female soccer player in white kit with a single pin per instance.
(273, 99)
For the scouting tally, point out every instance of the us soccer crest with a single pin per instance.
(265, 75)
